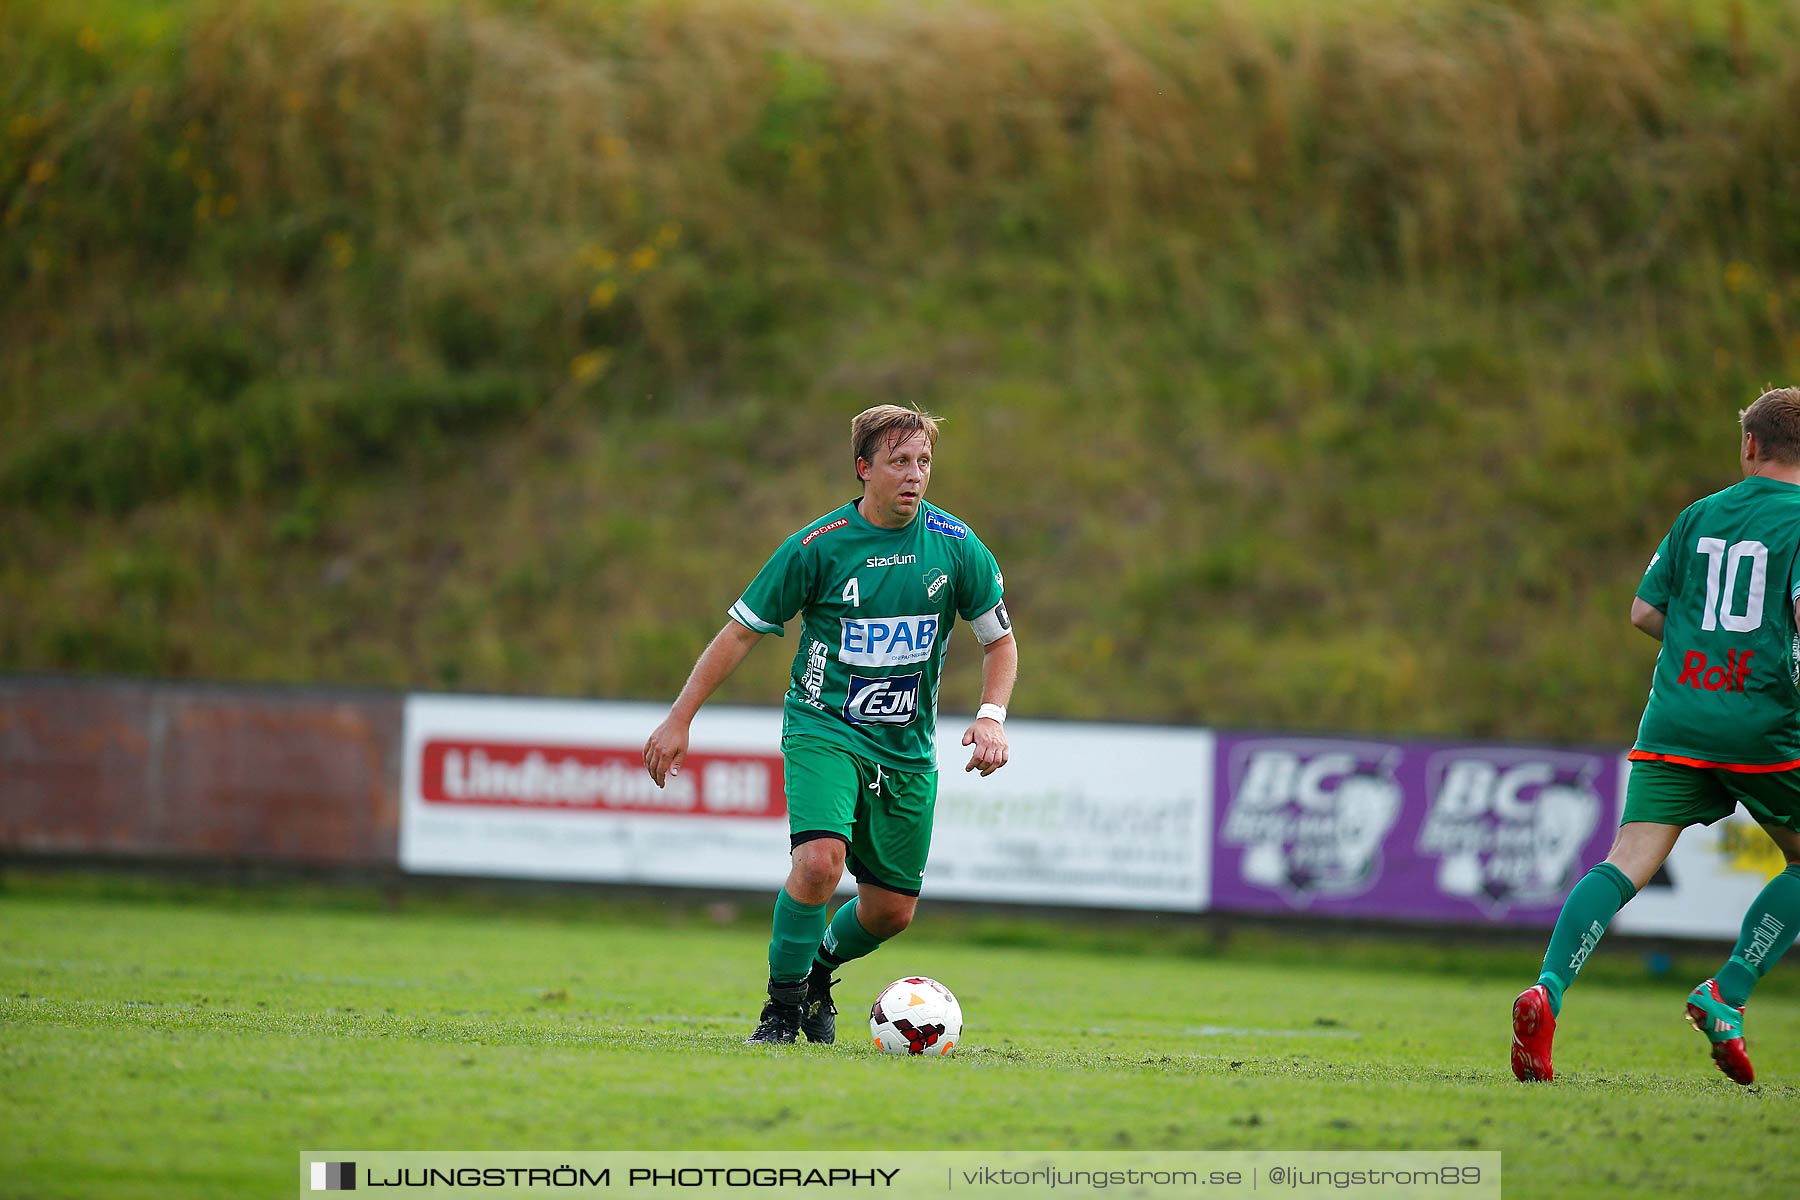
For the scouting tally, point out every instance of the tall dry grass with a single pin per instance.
(1345, 359)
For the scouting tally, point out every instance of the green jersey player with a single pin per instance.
(1722, 728)
(878, 585)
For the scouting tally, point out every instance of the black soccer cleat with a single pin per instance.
(818, 1019)
(779, 1024)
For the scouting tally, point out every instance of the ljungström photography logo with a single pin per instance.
(334, 1177)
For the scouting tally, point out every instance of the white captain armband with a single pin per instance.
(992, 625)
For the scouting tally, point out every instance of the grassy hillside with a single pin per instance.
(1322, 370)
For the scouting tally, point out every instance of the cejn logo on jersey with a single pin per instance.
(887, 641)
(893, 701)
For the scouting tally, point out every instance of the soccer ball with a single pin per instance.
(916, 1016)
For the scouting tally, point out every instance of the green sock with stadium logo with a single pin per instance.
(1768, 930)
(846, 938)
(795, 938)
(1590, 908)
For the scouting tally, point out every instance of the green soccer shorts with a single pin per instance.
(1673, 794)
(882, 815)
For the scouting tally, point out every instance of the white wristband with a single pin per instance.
(993, 712)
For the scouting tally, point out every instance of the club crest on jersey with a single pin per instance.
(938, 523)
(887, 641)
(935, 579)
(892, 701)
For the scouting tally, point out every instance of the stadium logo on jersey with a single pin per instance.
(938, 523)
(837, 524)
(935, 579)
(892, 701)
(1311, 816)
(1508, 827)
(887, 641)
(893, 560)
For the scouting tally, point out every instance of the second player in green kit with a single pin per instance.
(1722, 728)
(879, 585)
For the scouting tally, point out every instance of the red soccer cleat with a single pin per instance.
(1533, 1027)
(1723, 1025)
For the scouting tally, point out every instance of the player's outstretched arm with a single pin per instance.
(668, 742)
(1646, 617)
(999, 670)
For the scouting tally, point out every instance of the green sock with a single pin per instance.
(846, 938)
(795, 939)
(1768, 931)
(1590, 908)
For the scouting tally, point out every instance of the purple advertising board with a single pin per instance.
(1414, 831)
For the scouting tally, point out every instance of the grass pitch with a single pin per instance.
(160, 1040)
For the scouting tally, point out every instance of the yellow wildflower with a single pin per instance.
(1737, 276)
(643, 258)
(604, 293)
(41, 171)
(589, 365)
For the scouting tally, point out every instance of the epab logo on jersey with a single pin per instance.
(892, 701)
(1509, 827)
(887, 641)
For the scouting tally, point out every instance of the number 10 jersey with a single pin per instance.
(1724, 692)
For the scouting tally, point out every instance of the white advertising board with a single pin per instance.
(1109, 816)
(1708, 881)
(547, 789)
(1112, 816)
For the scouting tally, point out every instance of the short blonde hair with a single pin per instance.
(886, 424)
(1774, 417)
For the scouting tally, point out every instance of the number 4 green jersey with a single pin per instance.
(1725, 578)
(877, 607)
